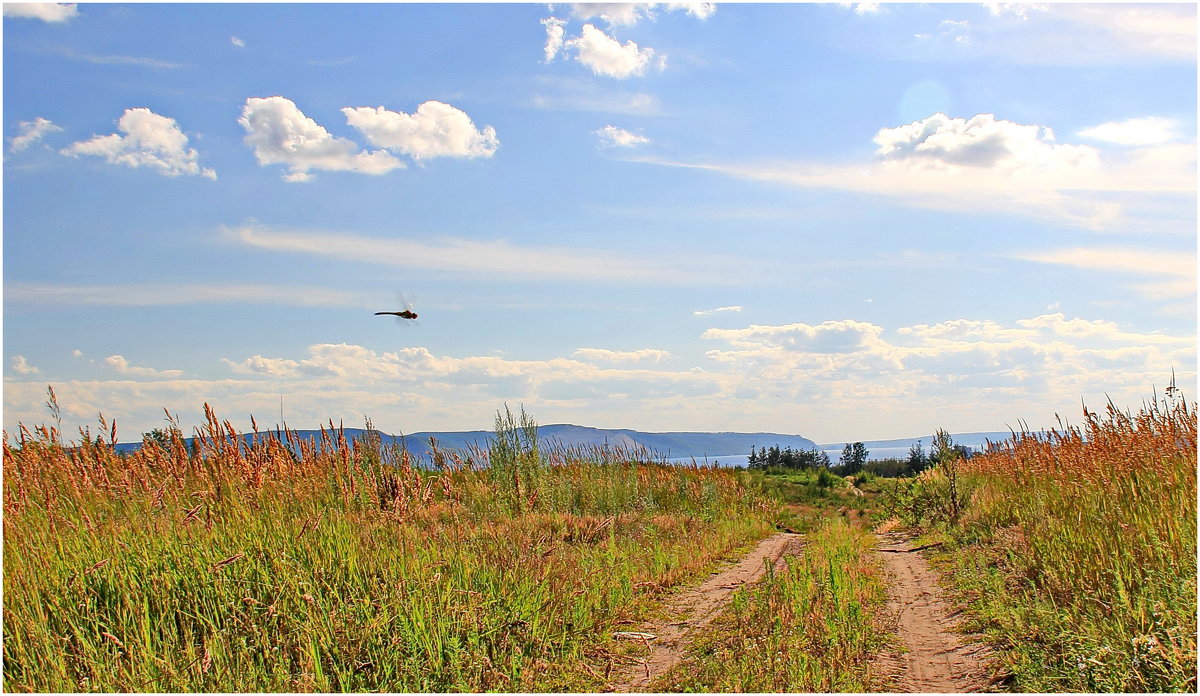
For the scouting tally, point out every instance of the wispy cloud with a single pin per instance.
(46, 11)
(493, 257)
(985, 164)
(581, 95)
(1149, 130)
(31, 132)
(611, 136)
(628, 14)
(166, 294)
(120, 365)
(142, 61)
(621, 356)
(1172, 275)
(718, 310)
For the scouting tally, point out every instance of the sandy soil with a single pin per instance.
(695, 608)
(938, 659)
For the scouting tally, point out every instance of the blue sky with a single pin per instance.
(846, 221)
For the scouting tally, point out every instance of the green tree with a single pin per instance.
(854, 457)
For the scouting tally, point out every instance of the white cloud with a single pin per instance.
(621, 356)
(989, 165)
(718, 310)
(31, 132)
(611, 136)
(1151, 130)
(435, 130)
(493, 257)
(148, 295)
(585, 95)
(861, 8)
(555, 30)
(1014, 9)
(1163, 30)
(21, 366)
(237, 42)
(1034, 361)
(120, 365)
(628, 14)
(45, 11)
(982, 141)
(281, 134)
(1173, 273)
(119, 60)
(149, 140)
(604, 55)
(964, 374)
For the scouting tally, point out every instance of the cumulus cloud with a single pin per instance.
(1048, 356)
(604, 55)
(1150, 130)
(862, 8)
(718, 310)
(149, 140)
(31, 132)
(21, 366)
(47, 11)
(435, 130)
(982, 141)
(555, 33)
(121, 366)
(281, 134)
(611, 136)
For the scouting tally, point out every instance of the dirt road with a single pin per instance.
(695, 608)
(937, 660)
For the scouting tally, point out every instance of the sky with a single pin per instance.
(844, 221)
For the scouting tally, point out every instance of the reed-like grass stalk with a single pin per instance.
(1079, 550)
(275, 563)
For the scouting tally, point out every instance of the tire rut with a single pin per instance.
(937, 659)
(695, 608)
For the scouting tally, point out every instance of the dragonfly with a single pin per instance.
(406, 313)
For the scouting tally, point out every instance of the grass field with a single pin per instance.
(291, 566)
(1077, 552)
(813, 627)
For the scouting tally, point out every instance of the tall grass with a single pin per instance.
(282, 564)
(812, 627)
(1079, 550)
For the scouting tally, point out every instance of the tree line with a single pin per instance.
(853, 459)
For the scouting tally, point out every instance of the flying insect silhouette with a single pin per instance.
(406, 313)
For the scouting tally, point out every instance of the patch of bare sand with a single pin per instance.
(938, 659)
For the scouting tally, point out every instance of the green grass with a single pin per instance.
(1077, 554)
(813, 627)
(808, 497)
(341, 568)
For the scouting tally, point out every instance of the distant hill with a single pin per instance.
(731, 447)
(672, 445)
(885, 449)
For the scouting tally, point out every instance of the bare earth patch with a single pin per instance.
(695, 608)
(938, 659)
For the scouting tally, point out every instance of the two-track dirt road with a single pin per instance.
(931, 657)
